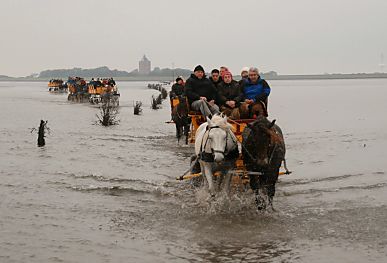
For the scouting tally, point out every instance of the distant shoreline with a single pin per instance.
(268, 77)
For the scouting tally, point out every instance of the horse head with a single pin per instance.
(182, 107)
(215, 142)
(219, 136)
(258, 109)
(264, 137)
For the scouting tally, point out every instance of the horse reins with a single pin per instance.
(208, 136)
(271, 155)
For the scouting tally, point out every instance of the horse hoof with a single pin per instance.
(260, 203)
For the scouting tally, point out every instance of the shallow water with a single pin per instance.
(100, 194)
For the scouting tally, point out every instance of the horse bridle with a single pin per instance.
(270, 145)
(208, 130)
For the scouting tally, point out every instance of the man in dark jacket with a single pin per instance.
(215, 77)
(228, 93)
(177, 88)
(201, 93)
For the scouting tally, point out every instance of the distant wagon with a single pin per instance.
(94, 92)
(57, 86)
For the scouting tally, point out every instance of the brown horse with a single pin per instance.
(252, 111)
(263, 150)
(180, 118)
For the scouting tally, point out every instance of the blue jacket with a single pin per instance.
(258, 91)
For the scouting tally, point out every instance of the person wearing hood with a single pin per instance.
(177, 88)
(228, 93)
(244, 75)
(201, 93)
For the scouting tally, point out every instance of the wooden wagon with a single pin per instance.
(241, 175)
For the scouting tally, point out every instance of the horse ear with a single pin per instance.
(209, 121)
(225, 118)
(272, 124)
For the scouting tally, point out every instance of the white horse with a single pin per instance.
(215, 142)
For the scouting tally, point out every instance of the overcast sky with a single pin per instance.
(290, 37)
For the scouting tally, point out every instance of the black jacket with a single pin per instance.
(216, 84)
(196, 88)
(176, 90)
(230, 91)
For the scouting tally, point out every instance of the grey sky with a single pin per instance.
(290, 37)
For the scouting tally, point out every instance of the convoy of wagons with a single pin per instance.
(94, 91)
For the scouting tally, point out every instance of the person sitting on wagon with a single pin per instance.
(223, 69)
(244, 75)
(215, 77)
(254, 89)
(111, 82)
(201, 93)
(228, 94)
(177, 88)
(176, 91)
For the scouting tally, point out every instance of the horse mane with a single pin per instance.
(274, 136)
(218, 120)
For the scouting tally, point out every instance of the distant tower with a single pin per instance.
(144, 66)
(381, 65)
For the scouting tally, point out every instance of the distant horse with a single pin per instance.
(263, 150)
(215, 144)
(181, 119)
(251, 111)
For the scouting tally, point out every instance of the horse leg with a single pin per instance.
(255, 184)
(270, 186)
(178, 135)
(207, 172)
(227, 183)
(186, 131)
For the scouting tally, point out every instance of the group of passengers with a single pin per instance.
(221, 93)
(102, 82)
(57, 81)
(76, 81)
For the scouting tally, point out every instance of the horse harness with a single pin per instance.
(209, 157)
(270, 146)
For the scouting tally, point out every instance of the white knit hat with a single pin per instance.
(245, 69)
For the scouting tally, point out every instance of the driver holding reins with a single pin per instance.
(201, 93)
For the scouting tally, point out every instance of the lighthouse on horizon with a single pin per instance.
(144, 66)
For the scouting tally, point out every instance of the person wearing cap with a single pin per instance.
(177, 88)
(215, 77)
(244, 75)
(201, 93)
(228, 93)
(254, 89)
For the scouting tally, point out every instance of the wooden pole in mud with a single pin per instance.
(41, 140)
